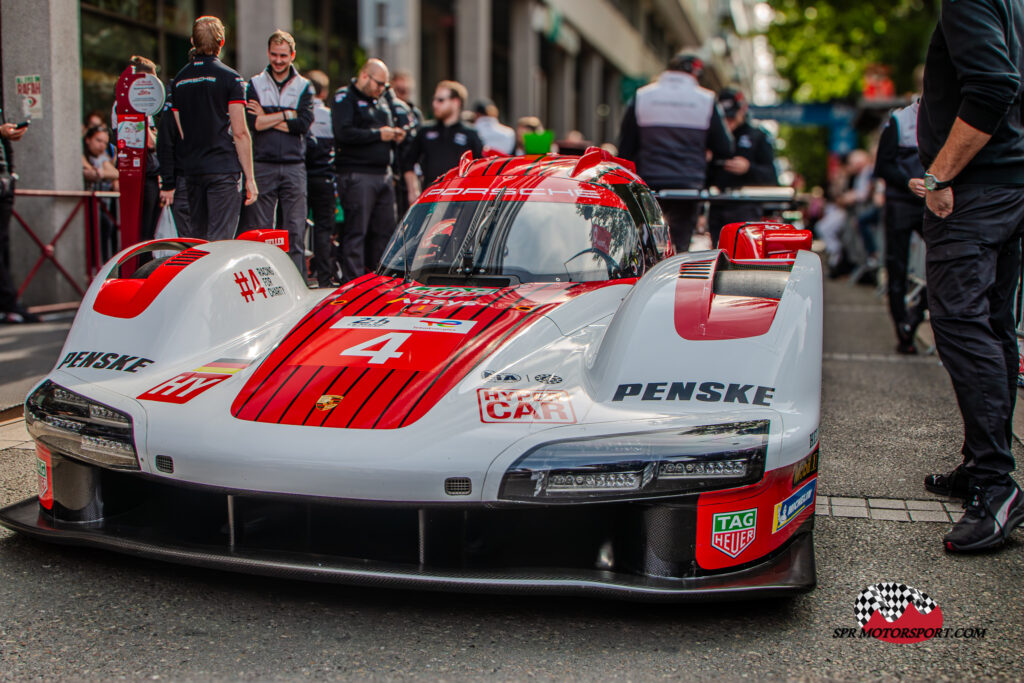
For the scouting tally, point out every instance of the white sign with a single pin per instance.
(133, 133)
(146, 94)
(31, 90)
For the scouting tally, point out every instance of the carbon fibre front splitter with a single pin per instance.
(787, 572)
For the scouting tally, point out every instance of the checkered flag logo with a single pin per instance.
(892, 600)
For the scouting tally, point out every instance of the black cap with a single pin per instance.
(732, 100)
(481, 105)
(688, 62)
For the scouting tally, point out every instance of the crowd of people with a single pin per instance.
(281, 150)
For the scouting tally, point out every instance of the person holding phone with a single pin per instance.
(11, 310)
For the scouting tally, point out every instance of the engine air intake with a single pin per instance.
(458, 486)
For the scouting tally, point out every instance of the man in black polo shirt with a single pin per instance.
(970, 134)
(363, 132)
(321, 192)
(209, 106)
(279, 104)
(440, 143)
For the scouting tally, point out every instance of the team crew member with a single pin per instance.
(407, 116)
(216, 150)
(971, 137)
(493, 133)
(363, 133)
(442, 142)
(667, 130)
(321, 194)
(754, 164)
(279, 111)
(898, 164)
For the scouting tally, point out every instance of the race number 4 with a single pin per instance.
(379, 349)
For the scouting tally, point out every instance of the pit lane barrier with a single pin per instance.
(89, 201)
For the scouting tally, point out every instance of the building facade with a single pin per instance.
(572, 63)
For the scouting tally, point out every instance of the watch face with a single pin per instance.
(930, 181)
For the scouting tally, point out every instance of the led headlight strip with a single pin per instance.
(78, 426)
(641, 465)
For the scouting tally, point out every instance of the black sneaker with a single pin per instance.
(953, 484)
(990, 514)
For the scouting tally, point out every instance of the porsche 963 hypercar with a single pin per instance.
(531, 394)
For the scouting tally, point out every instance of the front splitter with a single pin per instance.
(789, 572)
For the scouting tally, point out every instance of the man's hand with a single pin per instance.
(251, 193)
(387, 133)
(399, 135)
(166, 197)
(940, 202)
(12, 132)
(916, 186)
(254, 107)
(737, 165)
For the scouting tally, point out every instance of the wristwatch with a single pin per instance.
(931, 183)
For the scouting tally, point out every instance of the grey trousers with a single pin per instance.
(213, 203)
(284, 184)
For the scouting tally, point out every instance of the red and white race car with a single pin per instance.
(531, 394)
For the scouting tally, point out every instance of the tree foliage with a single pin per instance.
(822, 47)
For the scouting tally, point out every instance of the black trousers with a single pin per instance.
(973, 264)
(214, 202)
(320, 195)
(902, 219)
(681, 216)
(369, 203)
(8, 292)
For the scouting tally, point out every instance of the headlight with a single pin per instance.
(80, 427)
(649, 464)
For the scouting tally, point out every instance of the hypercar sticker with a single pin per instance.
(733, 532)
(806, 468)
(710, 392)
(543, 406)
(787, 510)
(102, 360)
(185, 386)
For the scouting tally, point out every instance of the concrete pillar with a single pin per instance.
(591, 95)
(390, 30)
(256, 20)
(616, 108)
(42, 38)
(523, 61)
(563, 94)
(473, 47)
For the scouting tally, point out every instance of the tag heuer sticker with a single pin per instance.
(733, 532)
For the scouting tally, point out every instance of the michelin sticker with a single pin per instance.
(789, 509)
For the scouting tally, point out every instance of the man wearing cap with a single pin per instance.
(493, 133)
(754, 164)
(667, 131)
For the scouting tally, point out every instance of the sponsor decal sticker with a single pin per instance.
(546, 378)
(43, 467)
(183, 387)
(328, 402)
(733, 532)
(787, 510)
(814, 437)
(102, 360)
(525, 406)
(806, 468)
(260, 281)
(708, 392)
(505, 377)
(449, 292)
(380, 322)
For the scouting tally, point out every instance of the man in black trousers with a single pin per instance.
(971, 137)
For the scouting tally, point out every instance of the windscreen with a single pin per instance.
(527, 241)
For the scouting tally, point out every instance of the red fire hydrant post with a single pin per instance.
(138, 96)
